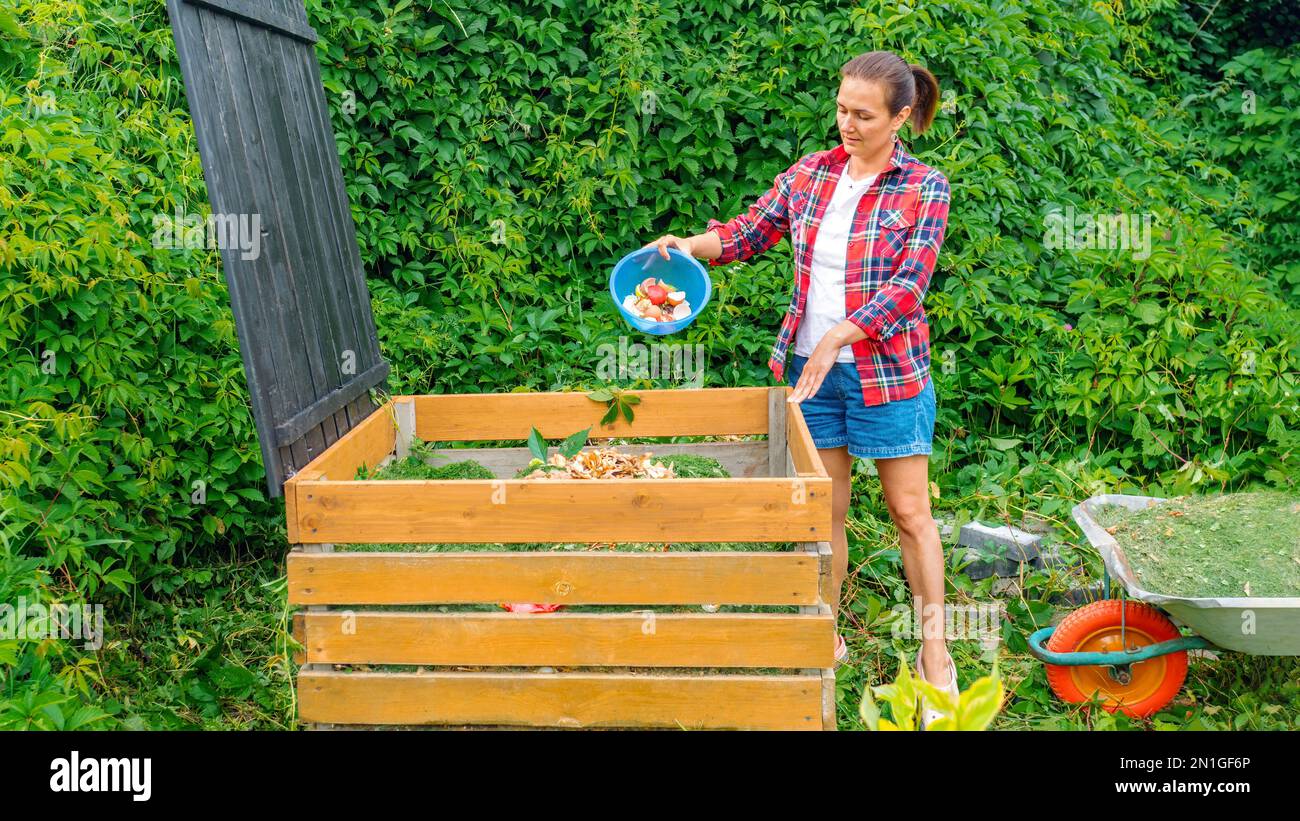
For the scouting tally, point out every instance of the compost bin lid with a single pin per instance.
(302, 310)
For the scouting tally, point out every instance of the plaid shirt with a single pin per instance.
(893, 244)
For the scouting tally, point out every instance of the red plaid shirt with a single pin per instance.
(893, 244)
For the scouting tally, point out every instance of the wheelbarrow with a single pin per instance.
(1131, 652)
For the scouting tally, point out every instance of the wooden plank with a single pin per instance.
(673, 412)
(776, 430)
(640, 639)
(291, 509)
(296, 426)
(829, 714)
(258, 14)
(760, 702)
(757, 578)
(366, 444)
(802, 450)
(299, 633)
(301, 657)
(741, 459)
(825, 572)
(563, 510)
(405, 412)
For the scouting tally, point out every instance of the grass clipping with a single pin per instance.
(1220, 546)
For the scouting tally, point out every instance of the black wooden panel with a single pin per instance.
(306, 332)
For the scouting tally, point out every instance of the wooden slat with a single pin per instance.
(741, 459)
(802, 450)
(296, 426)
(773, 702)
(757, 578)
(563, 510)
(299, 633)
(257, 14)
(829, 713)
(826, 571)
(495, 416)
(640, 639)
(777, 447)
(404, 411)
(291, 509)
(366, 444)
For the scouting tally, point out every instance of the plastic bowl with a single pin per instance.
(681, 270)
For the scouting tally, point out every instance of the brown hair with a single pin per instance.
(905, 84)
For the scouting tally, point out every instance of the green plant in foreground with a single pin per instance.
(975, 709)
(569, 448)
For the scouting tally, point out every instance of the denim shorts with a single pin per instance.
(836, 415)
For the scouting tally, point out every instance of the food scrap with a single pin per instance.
(601, 463)
(657, 301)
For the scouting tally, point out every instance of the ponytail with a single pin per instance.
(927, 99)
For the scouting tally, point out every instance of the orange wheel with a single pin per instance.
(1095, 628)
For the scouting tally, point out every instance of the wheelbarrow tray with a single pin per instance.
(1248, 624)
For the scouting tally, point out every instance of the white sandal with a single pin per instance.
(929, 715)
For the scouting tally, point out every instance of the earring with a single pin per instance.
(894, 136)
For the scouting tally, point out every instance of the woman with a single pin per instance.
(866, 220)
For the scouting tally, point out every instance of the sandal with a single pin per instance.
(929, 715)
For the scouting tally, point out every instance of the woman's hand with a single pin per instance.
(667, 241)
(814, 370)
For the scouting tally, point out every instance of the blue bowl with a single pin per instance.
(681, 270)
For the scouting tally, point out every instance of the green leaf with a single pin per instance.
(536, 444)
(574, 443)
(980, 703)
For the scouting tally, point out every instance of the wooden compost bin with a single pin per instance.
(775, 666)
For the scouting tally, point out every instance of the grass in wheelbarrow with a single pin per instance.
(1223, 545)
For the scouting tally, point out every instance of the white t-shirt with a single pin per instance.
(825, 307)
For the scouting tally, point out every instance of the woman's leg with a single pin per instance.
(906, 485)
(839, 465)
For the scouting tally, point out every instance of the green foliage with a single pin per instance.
(975, 708)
